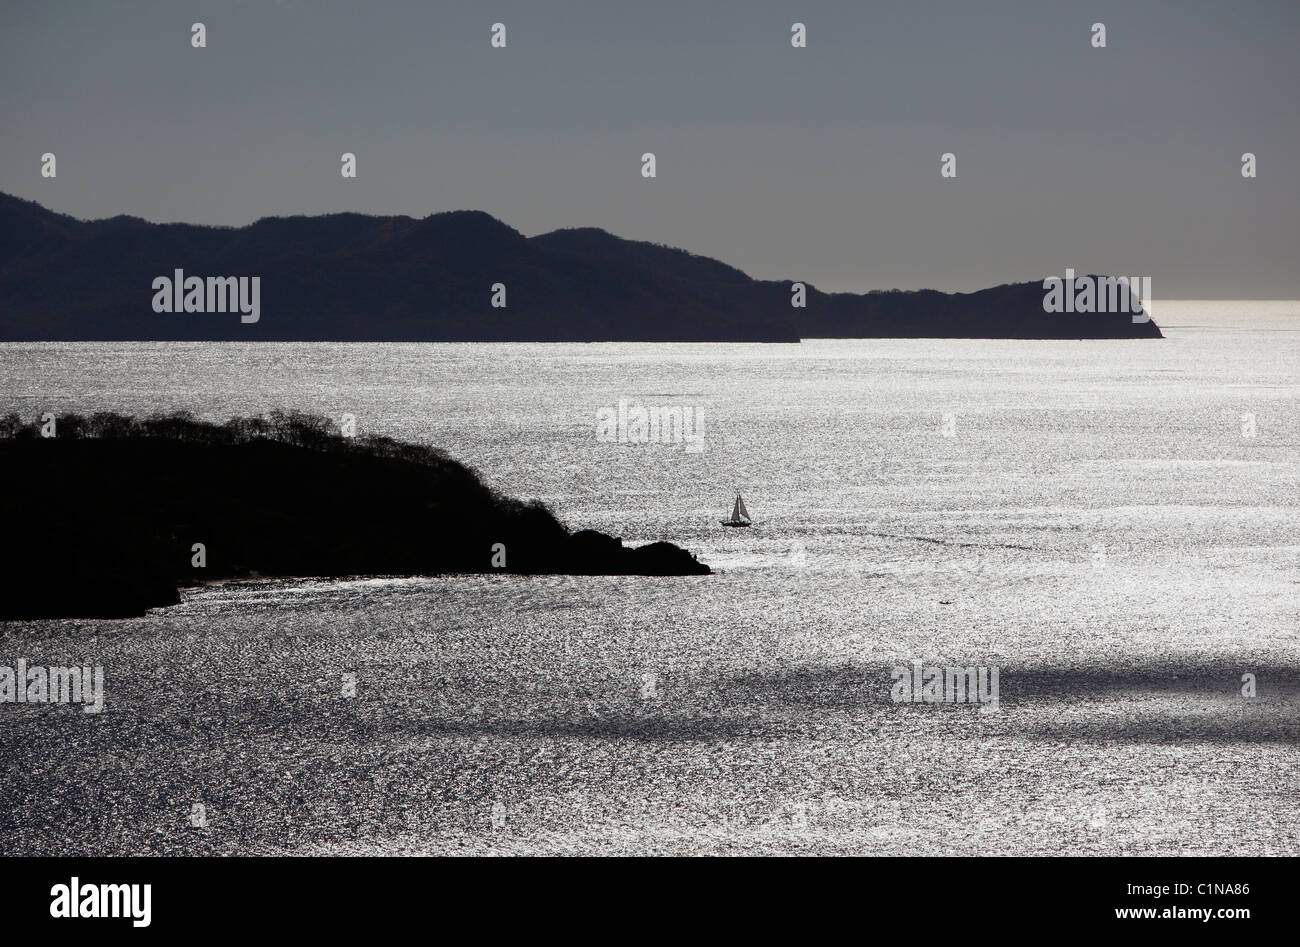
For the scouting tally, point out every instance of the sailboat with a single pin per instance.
(739, 515)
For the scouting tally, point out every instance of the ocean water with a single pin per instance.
(1113, 526)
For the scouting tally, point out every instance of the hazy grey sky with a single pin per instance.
(820, 164)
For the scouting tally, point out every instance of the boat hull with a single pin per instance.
(729, 523)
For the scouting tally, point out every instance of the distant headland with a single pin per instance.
(461, 276)
(111, 514)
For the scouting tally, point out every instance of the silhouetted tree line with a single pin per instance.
(297, 428)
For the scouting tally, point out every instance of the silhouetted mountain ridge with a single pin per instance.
(354, 277)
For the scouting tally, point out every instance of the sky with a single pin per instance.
(819, 164)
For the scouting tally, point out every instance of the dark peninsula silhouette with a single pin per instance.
(101, 520)
(352, 277)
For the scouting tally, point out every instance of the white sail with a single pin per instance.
(739, 515)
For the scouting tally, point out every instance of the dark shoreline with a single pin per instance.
(109, 517)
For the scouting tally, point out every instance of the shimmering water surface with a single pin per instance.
(1115, 526)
